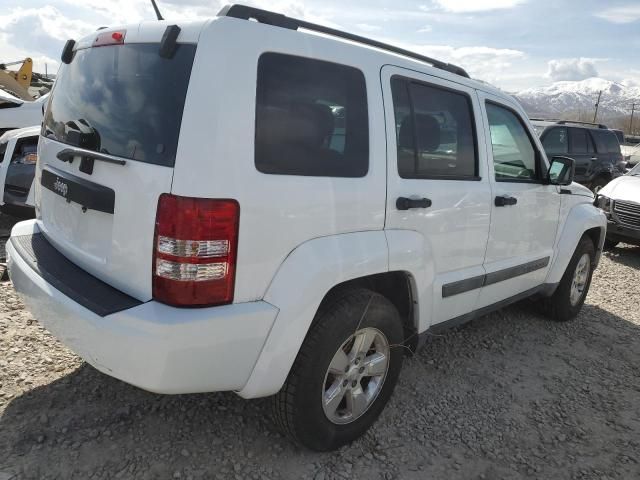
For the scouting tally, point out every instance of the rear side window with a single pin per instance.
(556, 141)
(580, 141)
(434, 131)
(311, 118)
(124, 100)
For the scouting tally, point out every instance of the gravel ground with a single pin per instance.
(509, 396)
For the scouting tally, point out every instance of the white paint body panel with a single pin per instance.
(116, 248)
(626, 188)
(278, 212)
(24, 115)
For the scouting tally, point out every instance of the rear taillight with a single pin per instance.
(195, 246)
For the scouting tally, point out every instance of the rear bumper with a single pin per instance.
(620, 233)
(152, 346)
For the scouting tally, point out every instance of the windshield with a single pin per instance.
(124, 100)
(635, 170)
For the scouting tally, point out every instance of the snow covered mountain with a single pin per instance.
(579, 97)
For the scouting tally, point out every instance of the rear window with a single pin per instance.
(311, 118)
(123, 100)
(606, 141)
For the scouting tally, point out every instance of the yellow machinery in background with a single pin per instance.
(17, 83)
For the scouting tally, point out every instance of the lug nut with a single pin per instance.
(357, 361)
(344, 384)
(361, 369)
(354, 383)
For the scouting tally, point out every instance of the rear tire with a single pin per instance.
(329, 398)
(566, 302)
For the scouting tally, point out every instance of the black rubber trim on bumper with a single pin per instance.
(68, 278)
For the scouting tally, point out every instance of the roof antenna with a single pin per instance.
(155, 7)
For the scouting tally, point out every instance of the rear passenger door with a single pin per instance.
(525, 210)
(437, 186)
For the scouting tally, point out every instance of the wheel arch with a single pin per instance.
(582, 219)
(329, 266)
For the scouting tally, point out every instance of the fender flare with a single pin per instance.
(581, 217)
(323, 263)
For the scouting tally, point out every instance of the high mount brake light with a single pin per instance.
(109, 38)
(194, 251)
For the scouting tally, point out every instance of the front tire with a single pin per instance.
(345, 372)
(566, 302)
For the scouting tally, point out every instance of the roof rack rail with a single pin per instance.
(244, 12)
(599, 125)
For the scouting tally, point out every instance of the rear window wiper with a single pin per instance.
(68, 154)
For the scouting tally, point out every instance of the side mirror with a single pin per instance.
(561, 170)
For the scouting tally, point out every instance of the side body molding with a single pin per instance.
(576, 221)
(297, 289)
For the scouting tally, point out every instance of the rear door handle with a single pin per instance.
(505, 200)
(404, 203)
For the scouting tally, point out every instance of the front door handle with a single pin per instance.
(504, 200)
(404, 203)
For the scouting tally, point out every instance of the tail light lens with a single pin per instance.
(195, 247)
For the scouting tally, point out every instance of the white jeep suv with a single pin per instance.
(272, 207)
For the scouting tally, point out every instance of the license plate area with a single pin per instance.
(88, 195)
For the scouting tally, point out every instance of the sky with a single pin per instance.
(513, 44)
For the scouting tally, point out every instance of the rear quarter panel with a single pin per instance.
(216, 152)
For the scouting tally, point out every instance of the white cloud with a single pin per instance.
(572, 69)
(458, 6)
(365, 27)
(626, 14)
(425, 29)
(481, 62)
(38, 33)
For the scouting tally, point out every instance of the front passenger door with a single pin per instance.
(525, 210)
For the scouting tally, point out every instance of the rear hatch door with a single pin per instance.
(107, 151)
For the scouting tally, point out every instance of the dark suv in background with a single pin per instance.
(595, 149)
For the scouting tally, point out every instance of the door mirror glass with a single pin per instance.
(561, 171)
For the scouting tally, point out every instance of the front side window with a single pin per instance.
(311, 118)
(434, 131)
(556, 141)
(514, 156)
